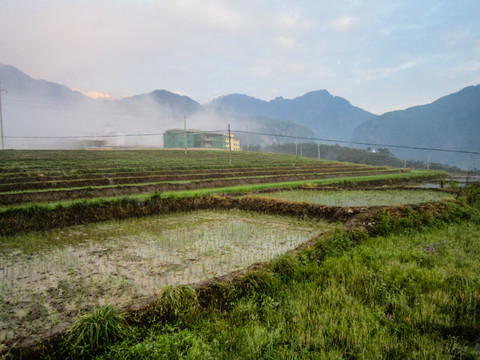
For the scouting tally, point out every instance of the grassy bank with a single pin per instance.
(410, 291)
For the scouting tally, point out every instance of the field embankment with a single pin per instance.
(279, 264)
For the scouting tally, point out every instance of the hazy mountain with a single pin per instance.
(175, 104)
(20, 85)
(451, 122)
(330, 117)
(39, 108)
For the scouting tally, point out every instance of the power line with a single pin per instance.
(1, 117)
(361, 143)
(253, 133)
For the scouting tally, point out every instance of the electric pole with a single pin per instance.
(185, 132)
(1, 117)
(230, 145)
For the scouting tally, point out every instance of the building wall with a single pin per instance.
(235, 143)
(175, 138)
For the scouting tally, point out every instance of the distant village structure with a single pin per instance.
(175, 138)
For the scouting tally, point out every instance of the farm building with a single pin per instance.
(175, 138)
(235, 142)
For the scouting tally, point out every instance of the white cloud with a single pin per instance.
(262, 72)
(205, 47)
(345, 23)
(297, 68)
(287, 43)
(96, 94)
(293, 21)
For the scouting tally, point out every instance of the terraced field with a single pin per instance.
(47, 176)
(86, 228)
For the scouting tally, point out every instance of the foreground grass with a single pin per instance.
(412, 294)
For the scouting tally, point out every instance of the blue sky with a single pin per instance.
(379, 55)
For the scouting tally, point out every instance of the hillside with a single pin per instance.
(451, 122)
(39, 108)
(20, 85)
(330, 117)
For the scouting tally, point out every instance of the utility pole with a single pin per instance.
(230, 144)
(318, 150)
(248, 140)
(296, 148)
(1, 117)
(185, 132)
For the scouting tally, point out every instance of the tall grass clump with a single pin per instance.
(95, 331)
(339, 242)
(257, 283)
(176, 304)
(473, 195)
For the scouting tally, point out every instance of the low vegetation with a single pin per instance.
(412, 292)
(49, 277)
(261, 270)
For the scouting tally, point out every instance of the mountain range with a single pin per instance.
(39, 108)
(330, 117)
(451, 122)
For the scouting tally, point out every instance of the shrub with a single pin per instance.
(453, 185)
(473, 194)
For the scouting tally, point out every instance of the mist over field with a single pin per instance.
(37, 114)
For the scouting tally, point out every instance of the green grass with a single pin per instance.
(412, 294)
(57, 162)
(48, 277)
(96, 330)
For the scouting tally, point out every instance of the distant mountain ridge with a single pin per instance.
(451, 122)
(20, 84)
(42, 108)
(330, 117)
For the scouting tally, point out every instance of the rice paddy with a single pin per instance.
(47, 278)
(361, 197)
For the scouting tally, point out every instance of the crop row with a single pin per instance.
(201, 175)
(36, 177)
(43, 216)
(119, 190)
(88, 161)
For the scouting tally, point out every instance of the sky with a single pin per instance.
(381, 55)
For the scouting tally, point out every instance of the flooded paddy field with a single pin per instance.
(48, 278)
(361, 197)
